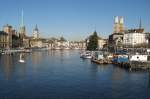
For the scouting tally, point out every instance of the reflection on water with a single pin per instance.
(10, 65)
(63, 75)
(6, 66)
(149, 79)
(36, 58)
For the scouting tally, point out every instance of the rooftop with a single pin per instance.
(3, 33)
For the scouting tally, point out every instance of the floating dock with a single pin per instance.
(101, 61)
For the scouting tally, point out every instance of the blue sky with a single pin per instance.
(74, 19)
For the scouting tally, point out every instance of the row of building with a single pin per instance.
(120, 38)
(129, 38)
(125, 38)
(11, 38)
(8, 37)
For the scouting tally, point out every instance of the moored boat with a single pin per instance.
(101, 57)
(119, 59)
(139, 61)
(86, 54)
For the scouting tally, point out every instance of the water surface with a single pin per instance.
(63, 75)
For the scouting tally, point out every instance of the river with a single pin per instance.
(57, 74)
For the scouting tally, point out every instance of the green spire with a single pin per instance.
(22, 26)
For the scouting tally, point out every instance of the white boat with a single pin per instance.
(2, 53)
(139, 57)
(57, 48)
(21, 60)
(86, 54)
(139, 61)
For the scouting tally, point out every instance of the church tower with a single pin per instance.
(36, 32)
(121, 23)
(118, 25)
(22, 29)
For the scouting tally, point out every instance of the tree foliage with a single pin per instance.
(62, 39)
(92, 43)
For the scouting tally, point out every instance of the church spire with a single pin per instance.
(140, 24)
(36, 27)
(36, 32)
(22, 26)
(22, 18)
